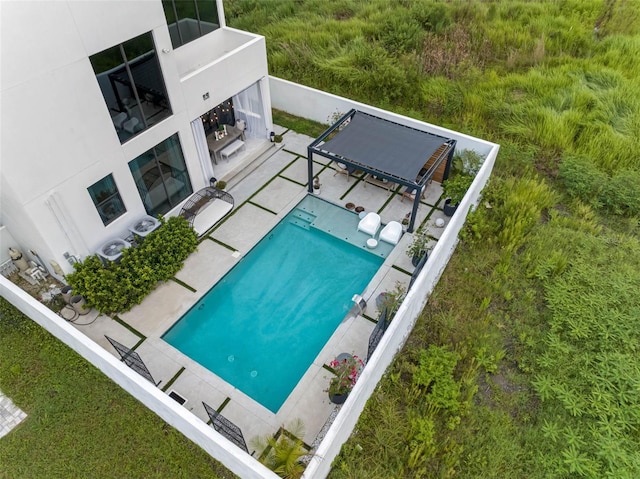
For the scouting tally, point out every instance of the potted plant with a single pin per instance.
(346, 368)
(418, 246)
(391, 300)
(316, 185)
(221, 185)
(454, 190)
(465, 166)
(405, 222)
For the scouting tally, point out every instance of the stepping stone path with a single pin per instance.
(10, 415)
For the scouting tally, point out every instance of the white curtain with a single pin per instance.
(203, 149)
(248, 107)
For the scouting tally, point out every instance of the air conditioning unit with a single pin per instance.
(112, 249)
(144, 226)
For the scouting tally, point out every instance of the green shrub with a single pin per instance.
(621, 194)
(456, 187)
(585, 368)
(117, 287)
(435, 374)
(282, 452)
(400, 34)
(581, 178)
(467, 162)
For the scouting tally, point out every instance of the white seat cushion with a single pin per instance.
(391, 233)
(370, 224)
(119, 119)
(131, 125)
(210, 215)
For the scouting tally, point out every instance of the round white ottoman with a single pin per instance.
(372, 243)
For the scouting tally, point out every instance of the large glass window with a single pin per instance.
(107, 199)
(161, 176)
(131, 81)
(190, 19)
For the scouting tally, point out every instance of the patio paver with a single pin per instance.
(168, 302)
(277, 194)
(206, 266)
(106, 326)
(297, 142)
(298, 171)
(243, 230)
(10, 415)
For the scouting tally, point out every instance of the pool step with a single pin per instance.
(301, 218)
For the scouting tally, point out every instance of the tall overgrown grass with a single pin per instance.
(532, 330)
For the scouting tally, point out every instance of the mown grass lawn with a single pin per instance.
(80, 423)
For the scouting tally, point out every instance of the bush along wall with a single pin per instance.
(117, 287)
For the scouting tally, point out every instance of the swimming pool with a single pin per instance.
(263, 324)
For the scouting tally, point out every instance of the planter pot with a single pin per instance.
(415, 259)
(338, 398)
(316, 191)
(79, 304)
(449, 209)
(66, 294)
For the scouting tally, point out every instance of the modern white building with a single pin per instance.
(111, 110)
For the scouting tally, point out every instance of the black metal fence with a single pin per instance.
(378, 332)
(416, 271)
(132, 359)
(226, 427)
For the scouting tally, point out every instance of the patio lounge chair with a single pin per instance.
(344, 170)
(391, 233)
(370, 224)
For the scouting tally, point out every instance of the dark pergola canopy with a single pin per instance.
(399, 153)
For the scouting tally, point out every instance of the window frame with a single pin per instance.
(154, 167)
(100, 204)
(177, 37)
(127, 99)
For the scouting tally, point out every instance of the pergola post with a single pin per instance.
(414, 211)
(310, 169)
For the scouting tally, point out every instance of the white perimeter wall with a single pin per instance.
(319, 106)
(289, 97)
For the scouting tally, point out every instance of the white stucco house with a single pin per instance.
(107, 111)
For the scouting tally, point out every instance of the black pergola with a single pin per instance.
(386, 149)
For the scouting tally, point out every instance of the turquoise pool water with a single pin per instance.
(263, 324)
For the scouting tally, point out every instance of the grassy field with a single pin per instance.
(80, 423)
(524, 363)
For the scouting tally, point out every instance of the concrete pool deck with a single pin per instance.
(262, 198)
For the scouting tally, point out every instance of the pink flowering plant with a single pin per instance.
(346, 374)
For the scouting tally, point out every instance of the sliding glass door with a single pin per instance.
(161, 176)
